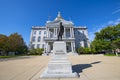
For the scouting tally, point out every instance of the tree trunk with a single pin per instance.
(116, 53)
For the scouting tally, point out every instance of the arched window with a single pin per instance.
(39, 38)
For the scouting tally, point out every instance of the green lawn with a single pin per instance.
(7, 56)
(111, 54)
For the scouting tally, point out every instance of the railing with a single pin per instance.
(63, 39)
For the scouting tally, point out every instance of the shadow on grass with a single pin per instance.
(78, 68)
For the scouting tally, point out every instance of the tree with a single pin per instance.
(107, 38)
(16, 43)
(3, 44)
(116, 45)
(100, 45)
(12, 43)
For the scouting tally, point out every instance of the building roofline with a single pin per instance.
(79, 27)
(38, 27)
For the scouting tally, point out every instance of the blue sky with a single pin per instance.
(20, 15)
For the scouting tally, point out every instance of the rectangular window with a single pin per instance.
(44, 32)
(39, 32)
(43, 46)
(83, 32)
(33, 39)
(34, 32)
(32, 46)
(39, 38)
(44, 38)
(38, 45)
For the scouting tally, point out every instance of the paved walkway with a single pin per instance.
(89, 67)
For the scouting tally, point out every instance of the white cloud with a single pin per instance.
(110, 22)
(118, 10)
(100, 27)
(115, 22)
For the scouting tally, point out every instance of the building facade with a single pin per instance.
(44, 36)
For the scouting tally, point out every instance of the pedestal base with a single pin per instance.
(72, 75)
(59, 66)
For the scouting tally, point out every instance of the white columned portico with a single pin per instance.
(53, 30)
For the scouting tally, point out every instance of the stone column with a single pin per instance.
(72, 46)
(70, 33)
(54, 33)
(64, 32)
(49, 32)
(82, 43)
(47, 47)
(88, 43)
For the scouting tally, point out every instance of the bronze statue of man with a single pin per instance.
(61, 31)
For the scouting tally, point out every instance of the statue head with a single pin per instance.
(60, 23)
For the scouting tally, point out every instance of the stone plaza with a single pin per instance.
(89, 67)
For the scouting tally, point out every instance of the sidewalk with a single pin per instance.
(89, 67)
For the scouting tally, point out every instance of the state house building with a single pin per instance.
(44, 36)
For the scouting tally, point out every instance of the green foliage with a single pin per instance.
(8, 56)
(12, 43)
(116, 43)
(80, 50)
(100, 45)
(3, 41)
(87, 50)
(38, 51)
(107, 39)
(110, 54)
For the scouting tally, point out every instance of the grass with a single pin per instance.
(110, 54)
(8, 56)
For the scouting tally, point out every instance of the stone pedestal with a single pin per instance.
(59, 66)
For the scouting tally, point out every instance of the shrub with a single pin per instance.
(38, 51)
(80, 50)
